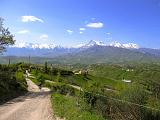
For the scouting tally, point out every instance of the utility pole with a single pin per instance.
(29, 59)
(29, 63)
(9, 61)
(51, 72)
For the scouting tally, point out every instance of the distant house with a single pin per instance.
(129, 70)
(127, 81)
(77, 72)
(81, 72)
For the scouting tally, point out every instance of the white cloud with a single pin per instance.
(80, 32)
(108, 33)
(31, 19)
(82, 29)
(44, 37)
(23, 32)
(70, 31)
(95, 25)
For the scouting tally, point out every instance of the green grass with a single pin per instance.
(66, 107)
(78, 80)
(34, 80)
(44, 75)
(145, 79)
(21, 79)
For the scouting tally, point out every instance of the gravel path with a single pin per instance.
(35, 105)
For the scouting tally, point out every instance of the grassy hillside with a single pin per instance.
(66, 107)
(104, 91)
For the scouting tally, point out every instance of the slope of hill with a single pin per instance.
(107, 54)
(155, 52)
(38, 52)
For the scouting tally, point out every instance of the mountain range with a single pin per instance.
(50, 50)
(92, 52)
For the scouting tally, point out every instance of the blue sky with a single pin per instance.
(59, 21)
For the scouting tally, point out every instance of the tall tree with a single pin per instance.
(6, 38)
(46, 67)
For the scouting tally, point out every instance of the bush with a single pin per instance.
(63, 89)
(135, 94)
(66, 73)
(12, 83)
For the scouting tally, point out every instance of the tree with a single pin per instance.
(6, 38)
(40, 79)
(45, 67)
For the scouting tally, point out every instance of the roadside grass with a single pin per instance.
(34, 80)
(45, 76)
(21, 79)
(66, 107)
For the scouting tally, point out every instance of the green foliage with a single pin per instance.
(66, 73)
(45, 67)
(21, 79)
(40, 78)
(12, 82)
(135, 94)
(66, 107)
(6, 38)
(35, 81)
(153, 102)
(54, 71)
(63, 89)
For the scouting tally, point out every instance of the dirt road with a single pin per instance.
(35, 105)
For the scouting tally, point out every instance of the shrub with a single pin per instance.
(63, 89)
(12, 83)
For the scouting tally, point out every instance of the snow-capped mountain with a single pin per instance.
(93, 43)
(127, 46)
(34, 46)
(52, 50)
(88, 45)
(113, 44)
(92, 52)
(52, 46)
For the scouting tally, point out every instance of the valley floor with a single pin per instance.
(35, 105)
